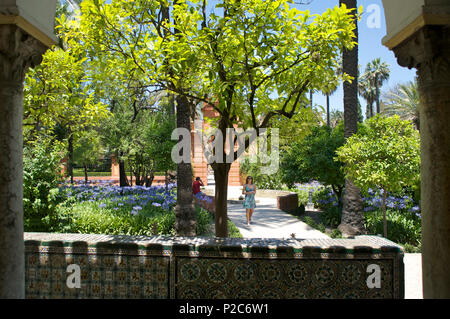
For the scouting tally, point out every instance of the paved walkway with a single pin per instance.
(413, 276)
(270, 222)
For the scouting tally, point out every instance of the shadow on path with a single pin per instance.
(270, 222)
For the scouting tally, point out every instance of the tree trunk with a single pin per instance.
(85, 174)
(352, 219)
(123, 180)
(70, 149)
(166, 181)
(384, 213)
(221, 171)
(185, 222)
(328, 110)
(378, 96)
(338, 192)
(371, 109)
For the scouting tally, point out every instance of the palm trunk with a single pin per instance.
(352, 219)
(221, 171)
(378, 98)
(185, 223)
(328, 110)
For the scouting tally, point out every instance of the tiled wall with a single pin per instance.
(169, 267)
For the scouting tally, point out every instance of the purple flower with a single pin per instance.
(102, 205)
(156, 204)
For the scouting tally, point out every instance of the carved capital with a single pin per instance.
(18, 52)
(428, 50)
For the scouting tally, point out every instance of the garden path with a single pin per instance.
(270, 222)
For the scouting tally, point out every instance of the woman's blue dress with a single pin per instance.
(249, 201)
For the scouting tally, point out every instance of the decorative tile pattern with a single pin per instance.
(102, 276)
(201, 267)
(260, 278)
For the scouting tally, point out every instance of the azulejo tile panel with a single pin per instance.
(102, 276)
(265, 278)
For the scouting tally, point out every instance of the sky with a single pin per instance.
(370, 47)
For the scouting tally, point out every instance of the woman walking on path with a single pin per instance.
(249, 189)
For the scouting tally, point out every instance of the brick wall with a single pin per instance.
(287, 202)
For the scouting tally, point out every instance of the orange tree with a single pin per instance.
(251, 60)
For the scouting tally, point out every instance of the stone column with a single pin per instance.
(18, 52)
(428, 50)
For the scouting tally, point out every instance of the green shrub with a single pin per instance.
(331, 216)
(262, 181)
(323, 197)
(336, 233)
(89, 218)
(309, 221)
(41, 176)
(204, 220)
(303, 196)
(411, 249)
(402, 228)
(233, 231)
(312, 158)
(321, 227)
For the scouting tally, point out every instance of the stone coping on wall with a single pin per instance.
(269, 247)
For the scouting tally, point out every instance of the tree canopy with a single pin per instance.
(256, 59)
(385, 153)
(313, 158)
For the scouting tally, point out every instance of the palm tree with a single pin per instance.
(377, 73)
(368, 92)
(352, 218)
(404, 101)
(329, 90)
(336, 117)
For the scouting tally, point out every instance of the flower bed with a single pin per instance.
(109, 209)
(403, 213)
(205, 201)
